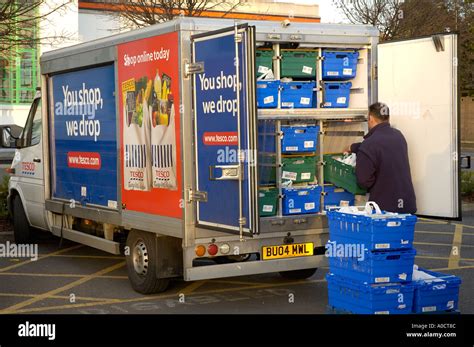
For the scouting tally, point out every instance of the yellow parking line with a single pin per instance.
(66, 297)
(442, 258)
(430, 221)
(455, 254)
(192, 287)
(88, 256)
(457, 268)
(440, 244)
(14, 308)
(433, 232)
(165, 296)
(34, 274)
(39, 258)
(243, 283)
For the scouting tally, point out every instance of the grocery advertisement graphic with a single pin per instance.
(148, 75)
(84, 137)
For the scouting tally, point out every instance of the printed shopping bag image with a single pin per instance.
(163, 140)
(137, 169)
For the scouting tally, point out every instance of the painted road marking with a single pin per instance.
(165, 296)
(455, 254)
(39, 258)
(14, 308)
(34, 274)
(457, 268)
(440, 244)
(85, 298)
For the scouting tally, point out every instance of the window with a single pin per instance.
(31, 134)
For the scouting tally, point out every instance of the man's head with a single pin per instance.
(378, 113)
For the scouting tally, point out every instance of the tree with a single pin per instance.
(140, 13)
(398, 19)
(19, 22)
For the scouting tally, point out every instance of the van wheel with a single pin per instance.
(21, 227)
(298, 274)
(141, 263)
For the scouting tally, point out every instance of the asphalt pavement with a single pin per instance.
(77, 279)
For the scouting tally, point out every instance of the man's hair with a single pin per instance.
(380, 111)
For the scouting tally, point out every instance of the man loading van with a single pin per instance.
(382, 165)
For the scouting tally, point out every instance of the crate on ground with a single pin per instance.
(267, 202)
(267, 94)
(341, 175)
(301, 200)
(437, 292)
(375, 232)
(360, 298)
(298, 63)
(267, 169)
(334, 196)
(264, 61)
(339, 65)
(298, 169)
(353, 262)
(299, 139)
(336, 94)
(298, 94)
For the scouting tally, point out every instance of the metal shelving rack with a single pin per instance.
(318, 115)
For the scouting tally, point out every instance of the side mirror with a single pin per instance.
(7, 140)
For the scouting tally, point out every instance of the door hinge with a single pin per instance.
(196, 196)
(193, 68)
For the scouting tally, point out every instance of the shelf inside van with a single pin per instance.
(312, 113)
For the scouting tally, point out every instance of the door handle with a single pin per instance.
(37, 160)
(228, 172)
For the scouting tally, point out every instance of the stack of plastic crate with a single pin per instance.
(337, 69)
(301, 194)
(371, 260)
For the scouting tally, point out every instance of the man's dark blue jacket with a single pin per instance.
(383, 168)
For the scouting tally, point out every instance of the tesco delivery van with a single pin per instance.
(204, 139)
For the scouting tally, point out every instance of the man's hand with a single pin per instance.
(347, 149)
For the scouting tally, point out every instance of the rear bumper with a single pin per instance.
(253, 267)
(318, 238)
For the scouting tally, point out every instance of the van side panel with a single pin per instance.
(149, 106)
(83, 139)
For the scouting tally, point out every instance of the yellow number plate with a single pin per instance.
(287, 251)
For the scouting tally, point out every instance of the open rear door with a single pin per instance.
(417, 79)
(225, 121)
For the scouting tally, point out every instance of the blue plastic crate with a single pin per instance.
(339, 66)
(335, 195)
(354, 297)
(375, 233)
(298, 94)
(370, 267)
(299, 139)
(267, 94)
(301, 200)
(436, 295)
(336, 94)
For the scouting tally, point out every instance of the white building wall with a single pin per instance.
(93, 25)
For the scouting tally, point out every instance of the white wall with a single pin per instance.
(95, 25)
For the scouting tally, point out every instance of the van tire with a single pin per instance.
(21, 226)
(141, 263)
(298, 274)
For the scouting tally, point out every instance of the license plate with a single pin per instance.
(288, 251)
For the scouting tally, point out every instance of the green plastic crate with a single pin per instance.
(299, 169)
(267, 202)
(341, 175)
(298, 63)
(263, 59)
(267, 169)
